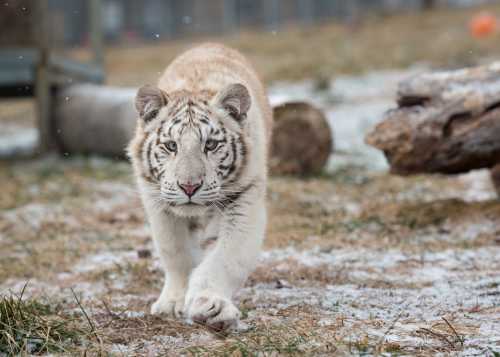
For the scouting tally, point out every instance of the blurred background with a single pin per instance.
(129, 43)
(356, 261)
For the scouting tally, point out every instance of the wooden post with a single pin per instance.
(95, 15)
(42, 84)
(230, 15)
(306, 11)
(271, 14)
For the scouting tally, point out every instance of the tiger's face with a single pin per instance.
(193, 148)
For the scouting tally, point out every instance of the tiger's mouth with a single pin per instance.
(191, 203)
(189, 209)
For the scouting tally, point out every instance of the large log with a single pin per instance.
(92, 119)
(445, 122)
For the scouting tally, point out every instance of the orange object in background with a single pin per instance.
(483, 24)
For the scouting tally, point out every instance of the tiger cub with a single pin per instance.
(200, 159)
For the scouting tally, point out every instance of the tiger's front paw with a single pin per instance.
(168, 307)
(214, 311)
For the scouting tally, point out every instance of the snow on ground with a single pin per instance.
(480, 187)
(17, 140)
(409, 294)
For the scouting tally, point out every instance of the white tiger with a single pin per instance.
(200, 158)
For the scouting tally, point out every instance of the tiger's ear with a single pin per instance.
(149, 100)
(235, 100)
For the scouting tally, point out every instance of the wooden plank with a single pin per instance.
(63, 69)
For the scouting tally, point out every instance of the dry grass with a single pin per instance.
(440, 38)
(98, 216)
(385, 218)
(28, 326)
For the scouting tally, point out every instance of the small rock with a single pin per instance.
(144, 253)
(281, 284)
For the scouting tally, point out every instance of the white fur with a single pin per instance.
(201, 286)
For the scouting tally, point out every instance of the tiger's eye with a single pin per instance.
(211, 144)
(171, 145)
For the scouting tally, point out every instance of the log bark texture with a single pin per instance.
(92, 119)
(302, 140)
(495, 178)
(445, 122)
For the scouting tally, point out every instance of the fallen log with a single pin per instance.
(445, 122)
(92, 119)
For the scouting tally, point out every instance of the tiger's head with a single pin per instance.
(191, 150)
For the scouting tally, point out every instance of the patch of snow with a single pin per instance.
(350, 123)
(452, 282)
(31, 287)
(339, 257)
(104, 260)
(479, 186)
(133, 314)
(17, 141)
(121, 349)
(110, 194)
(32, 214)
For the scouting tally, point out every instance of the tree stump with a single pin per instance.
(302, 140)
(445, 122)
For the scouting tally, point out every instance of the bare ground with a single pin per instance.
(355, 262)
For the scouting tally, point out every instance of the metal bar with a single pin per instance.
(306, 11)
(96, 42)
(63, 69)
(271, 14)
(230, 15)
(42, 81)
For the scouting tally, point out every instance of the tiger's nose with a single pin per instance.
(190, 188)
